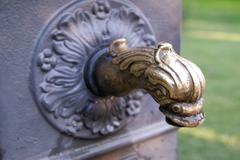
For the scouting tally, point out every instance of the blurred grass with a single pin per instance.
(211, 39)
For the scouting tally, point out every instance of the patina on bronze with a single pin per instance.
(174, 82)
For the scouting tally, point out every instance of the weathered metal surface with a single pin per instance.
(24, 133)
(127, 139)
(145, 149)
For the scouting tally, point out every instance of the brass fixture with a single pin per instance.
(173, 81)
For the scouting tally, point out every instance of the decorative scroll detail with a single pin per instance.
(62, 95)
(174, 82)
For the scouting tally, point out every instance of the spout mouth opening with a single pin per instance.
(184, 114)
(188, 121)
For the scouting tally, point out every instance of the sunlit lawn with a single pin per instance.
(211, 39)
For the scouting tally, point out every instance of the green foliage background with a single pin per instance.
(211, 39)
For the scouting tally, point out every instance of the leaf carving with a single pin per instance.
(63, 95)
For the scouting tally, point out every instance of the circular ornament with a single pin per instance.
(64, 46)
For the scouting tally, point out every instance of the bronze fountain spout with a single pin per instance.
(173, 81)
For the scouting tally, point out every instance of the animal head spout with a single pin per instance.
(174, 82)
(177, 85)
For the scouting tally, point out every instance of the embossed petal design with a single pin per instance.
(64, 98)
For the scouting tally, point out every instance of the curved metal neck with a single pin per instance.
(174, 82)
(104, 78)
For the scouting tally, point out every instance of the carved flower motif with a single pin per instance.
(74, 124)
(133, 105)
(101, 9)
(46, 60)
(133, 108)
(149, 40)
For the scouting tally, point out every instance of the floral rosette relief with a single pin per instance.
(62, 94)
